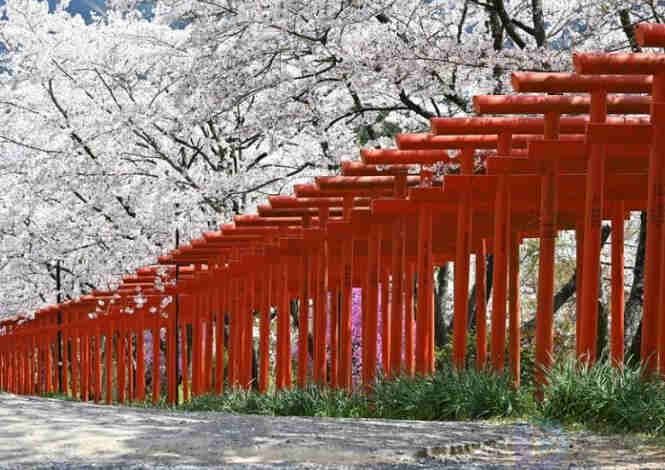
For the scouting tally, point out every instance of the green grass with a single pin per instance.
(451, 395)
(448, 395)
(605, 398)
(58, 396)
(601, 398)
(310, 401)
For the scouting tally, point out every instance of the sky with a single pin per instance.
(80, 7)
(86, 7)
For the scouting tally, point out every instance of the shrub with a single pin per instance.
(446, 395)
(605, 398)
(311, 401)
(451, 395)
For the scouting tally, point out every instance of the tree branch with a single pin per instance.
(500, 8)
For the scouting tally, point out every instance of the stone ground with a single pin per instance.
(49, 433)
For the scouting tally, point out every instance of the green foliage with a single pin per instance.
(314, 401)
(446, 395)
(451, 395)
(311, 401)
(443, 357)
(58, 396)
(600, 397)
(605, 398)
(236, 401)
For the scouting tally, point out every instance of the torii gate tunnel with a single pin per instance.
(592, 148)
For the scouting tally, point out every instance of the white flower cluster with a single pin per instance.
(112, 134)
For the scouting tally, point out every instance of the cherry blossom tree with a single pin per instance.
(115, 133)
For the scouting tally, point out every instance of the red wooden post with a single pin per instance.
(171, 358)
(344, 380)
(499, 284)
(98, 361)
(385, 320)
(249, 330)
(29, 364)
(209, 337)
(321, 303)
(372, 294)
(284, 330)
(48, 366)
(364, 287)
(220, 329)
(652, 312)
(397, 292)
(187, 306)
(198, 348)
(616, 343)
(155, 359)
(242, 331)
(76, 362)
(303, 312)
(121, 353)
(232, 345)
(140, 352)
(108, 356)
(264, 333)
(514, 306)
(425, 313)
(409, 358)
(85, 369)
(592, 225)
(286, 326)
(548, 227)
(462, 250)
(334, 328)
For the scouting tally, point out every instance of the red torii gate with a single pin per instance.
(373, 227)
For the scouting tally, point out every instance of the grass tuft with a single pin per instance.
(310, 401)
(605, 398)
(599, 397)
(448, 395)
(451, 395)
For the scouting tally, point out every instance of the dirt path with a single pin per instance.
(58, 434)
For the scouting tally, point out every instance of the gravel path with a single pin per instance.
(48, 433)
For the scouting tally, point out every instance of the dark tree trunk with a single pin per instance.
(255, 369)
(601, 340)
(440, 294)
(538, 22)
(496, 29)
(471, 320)
(489, 265)
(633, 308)
(629, 31)
(489, 275)
(295, 321)
(569, 288)
(507, 23)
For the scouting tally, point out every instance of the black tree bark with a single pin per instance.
(569, 288)
(440, 294)
(633, 307)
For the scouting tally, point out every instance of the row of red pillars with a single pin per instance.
(589, 149)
